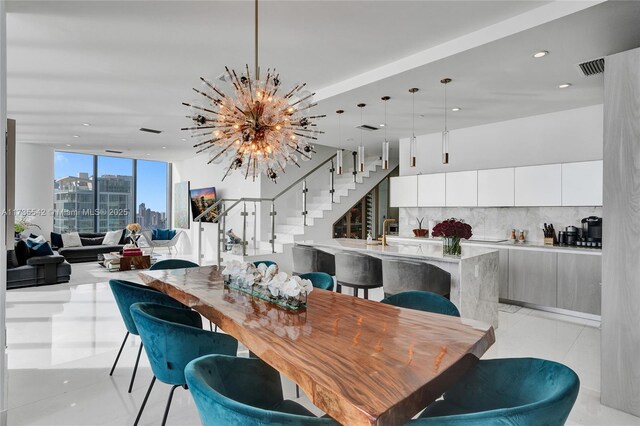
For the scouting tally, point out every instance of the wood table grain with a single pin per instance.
(362, 362)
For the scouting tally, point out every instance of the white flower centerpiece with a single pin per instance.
(267, 283)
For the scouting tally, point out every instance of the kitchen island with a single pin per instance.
(474, 275)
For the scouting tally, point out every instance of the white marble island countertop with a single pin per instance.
(397, 248)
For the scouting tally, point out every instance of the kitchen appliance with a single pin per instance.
(571, 235)
(592, 231)
(562, 238)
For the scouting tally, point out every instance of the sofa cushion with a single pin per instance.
(56, 240)
(94, 241)
(91, 234)
(12, 260)
(72, 239)
(22, 252)
(112, 238)
(37, 248)
(45, 260)
(86, 254)
(163, 234)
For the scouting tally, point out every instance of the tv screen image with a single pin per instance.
(201, 200)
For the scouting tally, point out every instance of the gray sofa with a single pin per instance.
(91, 250)
(39, 270)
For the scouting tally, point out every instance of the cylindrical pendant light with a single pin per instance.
(361, 147)
(339, 153)
(445, 132)
(385, 143)
(412, 141)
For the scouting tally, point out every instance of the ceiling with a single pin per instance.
(120, 66)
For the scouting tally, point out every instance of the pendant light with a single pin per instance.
(339, 153)
(385, 143)
(361, 147)
(412, 141)
(445, 132)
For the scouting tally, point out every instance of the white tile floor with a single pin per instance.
(64, 338)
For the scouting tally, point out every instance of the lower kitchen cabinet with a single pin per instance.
(533, 277)
(579, 278)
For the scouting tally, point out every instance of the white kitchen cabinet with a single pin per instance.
(582, 184)
(431, 190)
(538, 185)
(462, 189)
(496, 187)
(403, 191)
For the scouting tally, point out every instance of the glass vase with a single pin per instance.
(451, 246)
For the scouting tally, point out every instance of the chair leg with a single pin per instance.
(297, 391)
(144, 402)
(135, 368)
(355, 292)
(338, 288)
(166, 410)
(119, 352)
(366, 293)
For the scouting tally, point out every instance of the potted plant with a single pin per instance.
(23, 224)
(134, 233)
(420, 232)
(452, 231)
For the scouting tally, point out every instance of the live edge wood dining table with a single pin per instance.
(362, 362)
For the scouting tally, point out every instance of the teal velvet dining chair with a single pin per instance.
(266, 262)
(319, 280)
(510, 391)
(423, 301)
(173, 338)
(126, 294)
(173, 264)
(243, 391)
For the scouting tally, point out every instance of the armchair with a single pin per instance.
(168, 243)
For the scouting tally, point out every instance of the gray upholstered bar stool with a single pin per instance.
(358, 271)
(403, 275)
(309, 259)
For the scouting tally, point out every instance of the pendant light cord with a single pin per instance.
(256, 41)
(413, 113)
(385, 121)
(445, 107)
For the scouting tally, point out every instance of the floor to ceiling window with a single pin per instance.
(100, 193)
(73, 192)
(151, 194)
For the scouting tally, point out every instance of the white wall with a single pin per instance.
(34, 183)
(559, 137)
(4, 387)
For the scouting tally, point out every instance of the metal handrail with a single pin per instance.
(304, 177)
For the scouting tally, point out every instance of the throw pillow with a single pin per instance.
(72, 239)
(123, 237)
(38, 248)
(56, 240)
(154, 234)
(93, 241)
(22, 252)
(36, 239)
(112, 238)
(171, 234)
(162, 234)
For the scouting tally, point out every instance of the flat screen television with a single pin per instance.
(201, 200)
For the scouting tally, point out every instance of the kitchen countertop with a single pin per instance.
(533, 246)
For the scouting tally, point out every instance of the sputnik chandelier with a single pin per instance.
(258, 130)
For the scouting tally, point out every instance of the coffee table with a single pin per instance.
(128, 263)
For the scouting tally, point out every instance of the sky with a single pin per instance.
(152, 175)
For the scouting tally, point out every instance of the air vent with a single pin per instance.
(111, 151)
(144, 129)
(367, 127)
(592, 67)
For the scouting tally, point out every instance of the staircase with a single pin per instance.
(322, 212)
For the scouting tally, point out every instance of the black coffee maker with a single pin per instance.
(592, 231)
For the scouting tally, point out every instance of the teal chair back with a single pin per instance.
(522, 391)
(319, 280)
(127, 293)
(266, 262)
(423, 301)
(173, 264)
(243, 391)
(174, 337)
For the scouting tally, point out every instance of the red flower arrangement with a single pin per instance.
(452, 228)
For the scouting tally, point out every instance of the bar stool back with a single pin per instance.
(358, 271)
(309, 259)
(401, 275)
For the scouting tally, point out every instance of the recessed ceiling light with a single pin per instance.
(456, 109)
(76, 136)
(86, 124)
(564, 85)
(183, 140)
(381, 124)
(68, 144)
(540, 54)
(148, 155)
(164, 147)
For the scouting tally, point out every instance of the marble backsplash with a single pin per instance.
(497, 222)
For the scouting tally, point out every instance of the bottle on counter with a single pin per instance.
(521, 238)
(513, 238)
(369, 238)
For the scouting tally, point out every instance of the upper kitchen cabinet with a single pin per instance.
(462, 189)
(496, 188)
(538, 185)
(431, 190)
(403, 191)
(582, 184)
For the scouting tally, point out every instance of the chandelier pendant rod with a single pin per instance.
(256, 42)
